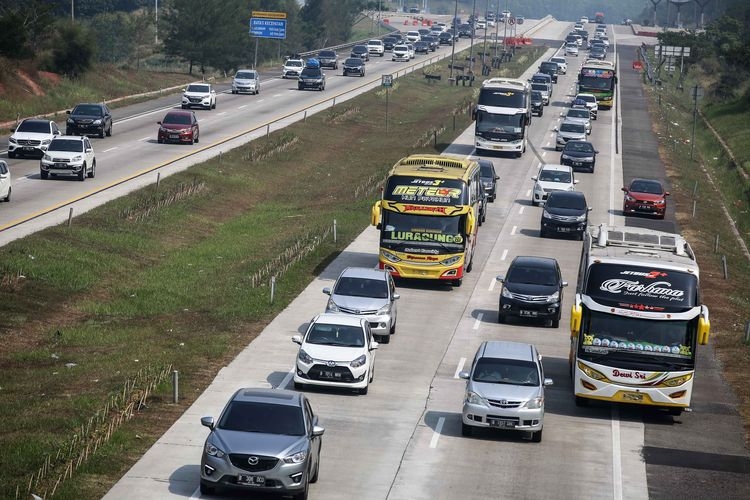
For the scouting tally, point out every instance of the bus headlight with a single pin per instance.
(677, 381)
(590, 372)
(451, 260)
(389, 256)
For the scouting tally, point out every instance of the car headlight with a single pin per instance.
(12, 140)
(506, 293)
(565, 157)
(475, 399)
(629, 198)
(304, 357)
(553, 298)
(451, 260)
(581, 218)
(386, 309)
(296, 458)
(70, 120)
(358, 362)
(46, 157)
(76, 158)
(546, 214)
(535, 403)
(660, 202)
(389, 256)
(46, 142)
(97, 122)
(332, 307)
(588, 159)
(162, 129)
(212, 450)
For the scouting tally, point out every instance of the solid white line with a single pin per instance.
(460, 367)
(513, 231)
(520, 210)
(276, 95)
(144, 138)
(492, 284)
(196, 493)
(544, 153)
(286, 380)
(478, 321)
(222, 113)
(110, 149)
(616, 458)
(242, 107)
(528, 193)
(436, 435)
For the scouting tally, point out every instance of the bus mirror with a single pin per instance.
(474, 114)
(575, 319)
(470, 223)
(375, 214)
(704, 327)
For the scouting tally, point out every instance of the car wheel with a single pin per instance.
(206, 489)
(109, 130)
(184, 107)
(457, 283)
(214, 105)
(7, 197)
(314, 477)
(393, 329)
(363, 391)
(535, 203)
(101, 133)
(304, 493)
(556, 322)
(541, 113)
(92, 174)
(536, 437)
(501, 318)
(44, 175)
(542, 233)
(197, 137)
(299, 386)
(299, 87)
(385, 339)
(82, 173)
(12, 154)
(68, 131)
(192, 139)
(465, 430)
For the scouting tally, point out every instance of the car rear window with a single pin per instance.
(572, 127)
(326, 53)
(264, 418)
(570, 202)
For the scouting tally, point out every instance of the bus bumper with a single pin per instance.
(407, 270)
(506, 147)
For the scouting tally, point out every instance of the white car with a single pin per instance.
(31, 137)
(412, 52)
(400, 53)
(571, 49)
(569, 131)
(6, 185)
(605, 40)
(591, 103)
(584, 20)
(292, 68)
(70, 156)
(413, 36)
(376, 47)
(201, 95)
(550, 178)
(246, 81)
(562, 64)
(337, 350)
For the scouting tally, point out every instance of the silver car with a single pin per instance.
(266, 440)
(569, 131)
(505, 389)
(246, 81)
(578, 115)
(367, 292)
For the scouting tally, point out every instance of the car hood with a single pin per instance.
(359, 303)
(646, 196)
(244, 81)
(66, 155)
(174, 126)
(197, 94)
(333, 353)
(575, 119)
(255, 443)
(552, 186)
(33, 136)
(531, 289)
(350, 65)
(581, 136)
(567, 212)
(578, 154)
(505, 391)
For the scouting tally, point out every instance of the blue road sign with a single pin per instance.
(267, 28)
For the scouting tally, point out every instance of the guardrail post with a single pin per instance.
(334, 231)
(175, 386)
(724, 265)
(304, 118)
(70, 217)
(747, 332)
(158, 180)
(268, 130)
(273, 288)
(716, 244)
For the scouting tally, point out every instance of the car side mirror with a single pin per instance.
(548, 381)
(327, 291)
(374, 345)
(499, 278)
(555, 129)
(666, 193)
(497, 177)
(575, 181)
(625, 189)
(533, 177)
(596, 151)
(68, 111)
(89, 150)
(158, 123)
(297, 339)
(564, 284)
(463, 375)
(207, 422)
(318, 430)
(396, 296)
(590, 209)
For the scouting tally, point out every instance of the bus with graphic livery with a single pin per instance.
(428, 217)
(502, 116)
(637, 319)
(598, 78)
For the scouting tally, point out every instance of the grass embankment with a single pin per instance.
(95, 316)
(727, 299)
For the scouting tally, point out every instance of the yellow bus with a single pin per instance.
(428, 217)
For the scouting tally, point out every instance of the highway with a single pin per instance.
(402, 440)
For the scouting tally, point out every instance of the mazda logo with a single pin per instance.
(331, 363)
(253, 460)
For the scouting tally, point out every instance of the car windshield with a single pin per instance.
(359, 49)
(579, 147)
(293, 63)
(571, 202)
(198, 88)
(264, 418)
(75, 146)
(177, 119)
(362, 287)
(536, 95)
(573, 127)
(555, 176)
(326, 53)
(531, 275)
(40, 127)
(587, 98)
(548, 65)
(506, 371)
(87, 109)
(336, 335)
(578, 113)
(353, 61)
(649, 187)
(245, 75)
(558, 60)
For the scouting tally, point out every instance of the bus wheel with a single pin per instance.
(675, 412)
(457, 283)
(580, 402)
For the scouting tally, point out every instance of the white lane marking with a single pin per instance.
(196, 493)
(110, 149)
(276, 95)
(478, 321)
(520, 210)
(242, 107)
(505, 254)
(548, 145)
(513, 231)
(436, 435)
(222, 113)
(261, 100)
(286, 380)
(460, 367)
(492, 284)
(616, 458)
(544, 153)
(528, 193)
(144, 138)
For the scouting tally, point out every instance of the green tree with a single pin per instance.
(72, 50)
(114, 36)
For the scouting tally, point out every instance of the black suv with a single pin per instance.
(550, 68)
(360, 51)
(354, 65)
(489, 179)
(328, 59)
(89, 119)
(537, 102)
(312, 78)
(389, 42)
(445, 38)
(568, 213)
(532, 288)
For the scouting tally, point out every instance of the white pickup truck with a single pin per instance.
(376, 47)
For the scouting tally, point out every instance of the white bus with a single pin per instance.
(502, 116)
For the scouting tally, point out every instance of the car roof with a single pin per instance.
(557, 167)
(566, 194)
(364, 272)
(180, 112)
(267, 395)
(534, 260)
(507, 350)
(571, 121)
(338, 319)
(35, 120)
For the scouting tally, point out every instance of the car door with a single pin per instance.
(88, 152)
(392, 293)
(4, 180)
(311, 420)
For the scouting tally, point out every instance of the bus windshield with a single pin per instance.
(423, 234)
(604, 333)
(596, 83)
(509, 124)
(502, 98)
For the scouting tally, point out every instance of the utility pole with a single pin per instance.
(156, 21)
(697, 94)
(655, 2)
(506, 19)
(473, 34)
(453, 45)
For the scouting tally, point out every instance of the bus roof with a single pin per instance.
(427, 165)
(639, 246)
(595, 63)
(505, 82)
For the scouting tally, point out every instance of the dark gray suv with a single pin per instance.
(266, 440)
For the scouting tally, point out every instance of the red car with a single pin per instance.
(646, 197)
(178, 126)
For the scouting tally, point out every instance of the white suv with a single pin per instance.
(31, 137)
(400, 53)
(201, 95)
(6, 184)
(413, 36)
(552, 178)
(69, 155)
(562, 64)
(591, 103)
(292, 68)
(376, 47)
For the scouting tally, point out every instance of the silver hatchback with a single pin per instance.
(367, 292)
(266, 440)
(505, 389)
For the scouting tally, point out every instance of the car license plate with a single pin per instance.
(577, 164)
(644, 207)
(248, 480)
(505, 424)
(531, 314)
(327, 374)
(28, 148)
(563, 229)
(632, 396)
(174, 136)
(60, 165)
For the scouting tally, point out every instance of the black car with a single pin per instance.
(465, 31)
(532, 288)
(579, 155)
(432, 40)
(445, 38)
(489, 179)
(598, 52)
(354, 66)
(565, 212)
(537, 102)
(328, 59)
(549, 68)
(389, 42)
(584, 34)
(361, 51)
(311, 78)
(421, 47)
(89, 119)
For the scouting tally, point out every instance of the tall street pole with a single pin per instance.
(453, 45)
(473, 34)
(484, 48)
(506, 18)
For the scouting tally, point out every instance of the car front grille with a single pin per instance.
(240, 460)
(195, 99)
(357, 311)
(28, 142)
(503, 403)
(563, 218)
(83, 121)
(529, 298)
(321, 372)
(60, 160)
